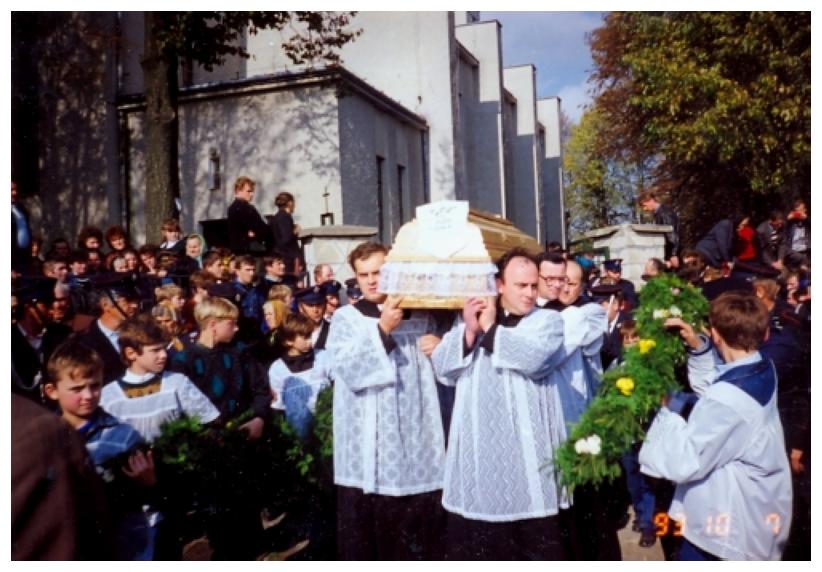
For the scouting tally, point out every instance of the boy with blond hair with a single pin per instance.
(225, 372)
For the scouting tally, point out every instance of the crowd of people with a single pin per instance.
(444, 422)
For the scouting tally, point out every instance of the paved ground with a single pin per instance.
(629, 542)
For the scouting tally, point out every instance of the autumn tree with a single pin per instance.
(207, 38)
(721, 98)
(600, 189)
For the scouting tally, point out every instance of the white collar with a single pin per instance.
(132, 378)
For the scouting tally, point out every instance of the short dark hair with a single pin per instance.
(138, 332)
(269, 260)
(245, 259)
(283, 199)
(776, 215)
(552, 257)
(516, 252)
(658, 265)
(171, 224)
(648, 195)
(741, 319)
(88, 232)
(211, 257)
(365, 250)
(295, 325)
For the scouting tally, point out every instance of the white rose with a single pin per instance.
(675, 311)
(660, 314)
(594, 444)
(581, 446)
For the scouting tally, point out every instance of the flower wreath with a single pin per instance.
(632, 392)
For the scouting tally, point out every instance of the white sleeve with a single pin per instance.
(449, 358)
(529, 346)
(276, 381)
(357, 352)
(683, 451)
(702, 364)
(194, 402)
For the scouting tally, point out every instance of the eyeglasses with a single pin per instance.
(555, 279)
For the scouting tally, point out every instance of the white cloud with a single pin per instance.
(573, 98)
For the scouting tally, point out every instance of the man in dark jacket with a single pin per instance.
(771, 237)
(663, 215)
(248, 232)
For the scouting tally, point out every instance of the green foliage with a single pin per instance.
(208, 37)
(721, 99)
(618, 418)
(313, 457)
(599, 190)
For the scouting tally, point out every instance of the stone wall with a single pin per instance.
(633, 243)
(331, 245)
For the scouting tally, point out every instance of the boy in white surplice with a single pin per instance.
(389, 447)
(500, 491)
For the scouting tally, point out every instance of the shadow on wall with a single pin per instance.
(274, 138)
(70, 61)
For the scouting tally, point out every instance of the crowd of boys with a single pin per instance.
(445, 423)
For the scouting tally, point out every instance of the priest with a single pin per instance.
(500, 491)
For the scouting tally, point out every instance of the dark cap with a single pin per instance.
(603, 292)
(35, 289)
(331, 287)
(352, 288)
(116, 284)
(225, 290)
(312, 295)
(613, 265)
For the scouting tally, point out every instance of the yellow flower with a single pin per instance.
(646, 345)
(625, 385)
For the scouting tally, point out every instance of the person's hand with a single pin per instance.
(140, 467)
(797, 466)
(297, 230)
(251, 234)
(428, 343)
(673, 262)
(471, 312)
(391, 314)
(489, 314)
(686, 331)
(253, 428)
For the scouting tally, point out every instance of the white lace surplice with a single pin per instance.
(388, 436)
(500, 448)
(577, 369)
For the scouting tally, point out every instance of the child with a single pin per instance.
(235, 382)
(725, 450)
(642, 494)
(226, 374)
(147, 396)
(172, 234)
(74, 381)
(296, 378)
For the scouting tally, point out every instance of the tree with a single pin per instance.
(721, 98)
(600, 190)
(207, 38)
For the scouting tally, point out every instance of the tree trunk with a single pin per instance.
(162, 172)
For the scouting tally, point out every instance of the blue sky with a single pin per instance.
(555, 43)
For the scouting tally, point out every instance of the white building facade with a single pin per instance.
(421, 108)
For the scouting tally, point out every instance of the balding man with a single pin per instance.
(501, 496)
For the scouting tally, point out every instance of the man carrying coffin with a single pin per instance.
(500, 491)
(389, 448)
